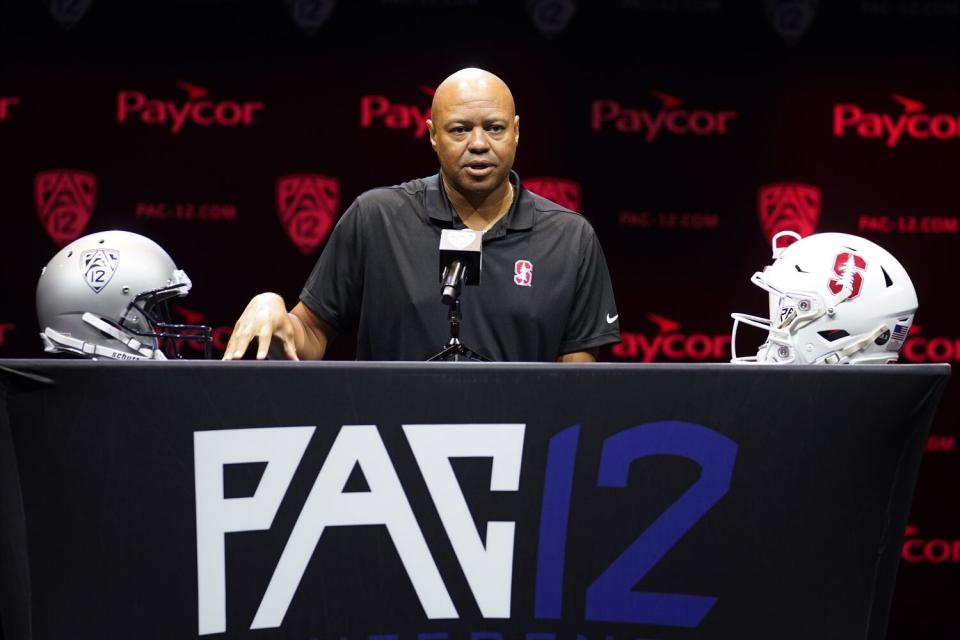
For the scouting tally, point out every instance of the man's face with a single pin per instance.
(475, 131)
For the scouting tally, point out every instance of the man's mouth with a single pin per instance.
(479, 169)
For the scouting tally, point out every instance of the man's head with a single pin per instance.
(474, 128)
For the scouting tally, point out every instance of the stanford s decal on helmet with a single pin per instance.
(104, 296)
(834, 298)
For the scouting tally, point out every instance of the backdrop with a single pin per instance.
(687, 131)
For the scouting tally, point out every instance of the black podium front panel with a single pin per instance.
(455, 501)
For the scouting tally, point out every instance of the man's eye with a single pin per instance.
(457, 130)
(497, 128)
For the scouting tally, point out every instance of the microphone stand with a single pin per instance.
(455, 351)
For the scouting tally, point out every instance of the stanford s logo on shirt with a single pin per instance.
(523, 273)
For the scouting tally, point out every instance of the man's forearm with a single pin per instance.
(579, 356)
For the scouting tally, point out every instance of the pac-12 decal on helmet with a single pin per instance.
(104, 296)
(833, 298)
(98, 266)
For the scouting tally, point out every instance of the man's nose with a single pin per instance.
(478, 140)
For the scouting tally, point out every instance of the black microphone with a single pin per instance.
(460, 261)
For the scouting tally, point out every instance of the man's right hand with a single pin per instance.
(264, 318)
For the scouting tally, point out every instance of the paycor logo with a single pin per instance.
(917, 550)
(381, 111)
(920, 349)
(196, 110)
(671, 344)
(670, 119)
(913, 123)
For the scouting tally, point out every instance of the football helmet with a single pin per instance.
(105, 296)
(833, 298)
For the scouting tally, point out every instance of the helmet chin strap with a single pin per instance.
(842, 355)
(55, 341)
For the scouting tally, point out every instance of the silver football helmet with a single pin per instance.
(104, 296)
(834, 298)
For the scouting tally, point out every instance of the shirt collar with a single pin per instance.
(518, 217)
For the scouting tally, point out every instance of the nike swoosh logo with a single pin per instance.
(611, 320)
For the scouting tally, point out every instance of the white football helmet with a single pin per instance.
(104, 296)
(834, 298)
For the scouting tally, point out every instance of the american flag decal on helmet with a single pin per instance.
(900, 332)
(899, 335)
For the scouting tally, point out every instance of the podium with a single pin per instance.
(442, 501)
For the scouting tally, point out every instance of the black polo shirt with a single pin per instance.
(544, 290)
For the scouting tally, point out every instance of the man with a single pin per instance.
(545, 292)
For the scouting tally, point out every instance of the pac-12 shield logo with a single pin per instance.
(551, 17)
(307, 205)
(849, 268)
(98, 267)
(788, 206)
(68, 13)
(791, 18)
(564, 192)
(64, 199)
(523, 273)
(310, 15)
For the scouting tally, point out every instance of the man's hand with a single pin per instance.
(264, 318)
(589, 355)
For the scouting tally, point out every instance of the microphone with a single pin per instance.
(460, 260)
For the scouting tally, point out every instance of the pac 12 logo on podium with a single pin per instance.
(486, 561)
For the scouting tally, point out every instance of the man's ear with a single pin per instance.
(433, 134)
(516, 129)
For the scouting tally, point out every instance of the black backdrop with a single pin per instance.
(785, 104)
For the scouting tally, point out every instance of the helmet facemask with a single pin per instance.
(148, 316)
(790, 311)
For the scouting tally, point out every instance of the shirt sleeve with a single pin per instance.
(594, 320)
(334, 289)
